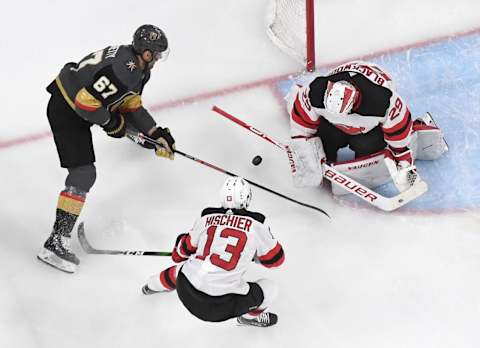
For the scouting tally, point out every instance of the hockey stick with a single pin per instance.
(141, 138)
(340, 179)
(91, 250)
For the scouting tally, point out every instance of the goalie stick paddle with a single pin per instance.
(338, 178)
(141, 138)
(82, 238)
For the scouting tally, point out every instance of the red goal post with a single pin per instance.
(290, 25)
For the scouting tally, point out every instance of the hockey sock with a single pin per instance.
(70, 204)
(165, 281)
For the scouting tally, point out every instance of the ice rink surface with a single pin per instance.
(362, 279)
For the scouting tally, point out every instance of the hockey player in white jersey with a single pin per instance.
(213, 257)
(356, 105)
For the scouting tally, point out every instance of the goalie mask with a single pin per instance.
(235, 193)
(340, 97)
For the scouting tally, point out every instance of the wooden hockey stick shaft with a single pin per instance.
(140, 138)
(87, 247)
(340, 179)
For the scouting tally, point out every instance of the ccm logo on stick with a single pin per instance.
(349, 185)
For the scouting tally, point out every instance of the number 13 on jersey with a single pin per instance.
(232, 251)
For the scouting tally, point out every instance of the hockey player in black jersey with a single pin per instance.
(213, 257)
(103, 89)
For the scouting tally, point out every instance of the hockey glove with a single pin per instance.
(167, 148)
(116, 126)
(183, 248)
(401, 167)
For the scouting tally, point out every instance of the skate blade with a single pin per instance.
(147, 291)
(53, 260)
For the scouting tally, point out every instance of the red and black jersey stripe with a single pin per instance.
(273, 258)
(301, 117)
(399, 131)
(186, 246)
(183, 248)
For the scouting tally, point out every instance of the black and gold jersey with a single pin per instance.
(106, 81)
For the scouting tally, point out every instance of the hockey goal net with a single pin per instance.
(290, 25)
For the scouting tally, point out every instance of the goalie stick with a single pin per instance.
(141, 138)
(82, 238)
(338, 178)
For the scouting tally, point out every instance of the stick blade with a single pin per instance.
(407, 196)
(82, 238)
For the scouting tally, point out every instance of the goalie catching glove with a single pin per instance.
(167, 143)
(403, 171)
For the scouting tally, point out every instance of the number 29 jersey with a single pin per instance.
(378, 105)
(225, 243)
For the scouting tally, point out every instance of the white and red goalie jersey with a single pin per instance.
(220, 247)
(378, 105)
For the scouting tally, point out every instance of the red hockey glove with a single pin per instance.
(183, 248)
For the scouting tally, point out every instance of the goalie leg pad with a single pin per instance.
(428, 142)
(370, 171)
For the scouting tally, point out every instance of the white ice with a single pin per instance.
(363, 279)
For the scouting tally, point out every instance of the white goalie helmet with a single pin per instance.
(340, 97)
(235, 193)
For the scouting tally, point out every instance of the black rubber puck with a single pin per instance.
(256, 160)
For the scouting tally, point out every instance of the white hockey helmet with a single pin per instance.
(235, 193)
(340, 97)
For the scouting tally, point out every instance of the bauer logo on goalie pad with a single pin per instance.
(364, 165)
(351, 187)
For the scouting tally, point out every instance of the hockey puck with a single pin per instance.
(256, 160)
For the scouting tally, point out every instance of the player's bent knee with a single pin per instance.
(82, 177)
(270, 292)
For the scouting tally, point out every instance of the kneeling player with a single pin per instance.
(356, 105)
(213, 257)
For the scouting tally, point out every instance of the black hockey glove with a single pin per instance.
(167, 148)
(116, 126)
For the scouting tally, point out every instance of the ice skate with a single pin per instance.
(56, 252)
(264, 319)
